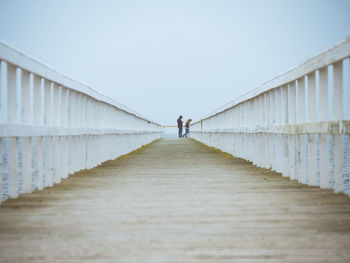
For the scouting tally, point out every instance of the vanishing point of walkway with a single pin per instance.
(176, 201)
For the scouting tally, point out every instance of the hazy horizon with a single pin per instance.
(166, 58)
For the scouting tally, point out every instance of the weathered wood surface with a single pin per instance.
(176, 201)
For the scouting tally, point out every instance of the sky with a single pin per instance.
(166, 58)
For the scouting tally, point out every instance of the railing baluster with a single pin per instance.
(57, 153)
(272, 108)
(2, 192)
(27, 118)
(64, 107)
(12, 91)
(338, 91)
(291, 137)
(48, 125)
(323, 94)
(12, 87)
(323, 116)
(338, 140)
(298, 136)
(284, 137)
(64, 153)
(292, 103)
(3, 100)
(312, 150)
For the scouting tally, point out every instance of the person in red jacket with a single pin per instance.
(179, 125)
(187, 127)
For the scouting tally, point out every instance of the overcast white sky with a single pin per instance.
(165, 58)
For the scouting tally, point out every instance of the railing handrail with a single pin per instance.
(296, 123)
(335, 53)
(30, 64)
(52, 125)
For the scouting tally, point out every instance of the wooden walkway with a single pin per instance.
(176, 201)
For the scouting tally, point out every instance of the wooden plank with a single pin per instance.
(211, 208)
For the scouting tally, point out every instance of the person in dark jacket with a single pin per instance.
(187, 127)
(179, 125)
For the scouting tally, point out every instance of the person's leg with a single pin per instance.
(180, 132)
(187, 132)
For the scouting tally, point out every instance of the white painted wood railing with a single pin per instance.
(297, 123)
(52, 126)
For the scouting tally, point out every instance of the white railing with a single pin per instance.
(297, 123)
(52, 126)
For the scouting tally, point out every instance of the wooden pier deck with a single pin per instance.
(176, 201)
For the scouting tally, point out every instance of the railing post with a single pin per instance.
(284, 137)
(56, 121)
(323, 116)
(301, 100)
(27, 118)
(272, 108)
(288, 120)
(37, 141)
(312, 146)
(70, 104)
(63, 161)
(45, 127)
(240, 123)
(13, 86)
(47, 140)
(64, 106)
(262, 110)
(278, 105)
(278, 136)
(2, 155)
(64, 140)
(291, 137)
(2, 102)
(301, 146)
(262, 135)
(258, 136)
(338, 140)
(291, 103)
(56, 152)
(271, 136)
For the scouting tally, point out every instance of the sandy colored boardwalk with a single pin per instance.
(176, 201)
